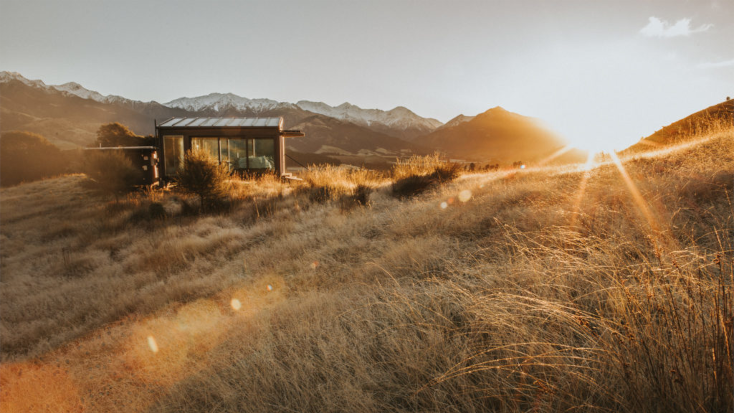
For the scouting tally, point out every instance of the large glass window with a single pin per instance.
(224, 152)
(263, 154)
(173, 151)
(238, 153)
(210, 146)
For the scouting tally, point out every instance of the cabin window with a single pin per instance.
(224, 152)
(262, 155)
(237, 153)
(210, 146)
(173, 149)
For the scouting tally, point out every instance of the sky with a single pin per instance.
(601, 73)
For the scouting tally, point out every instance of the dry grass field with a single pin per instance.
(597, 287)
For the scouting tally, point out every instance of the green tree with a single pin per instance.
(26, 156)
(111, 171)
(116, 134)
(204, 177)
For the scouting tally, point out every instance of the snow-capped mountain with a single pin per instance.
(399, 117)
(6, 77)
(457, 120)
(71, 88)
(221, 101)
(399, 122)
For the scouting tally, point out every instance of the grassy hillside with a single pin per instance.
(712, 119)
(586, 288)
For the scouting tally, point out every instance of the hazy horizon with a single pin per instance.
(602, 74)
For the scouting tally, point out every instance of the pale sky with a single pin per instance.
(601, 73)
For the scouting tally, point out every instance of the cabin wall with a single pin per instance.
(231, 133)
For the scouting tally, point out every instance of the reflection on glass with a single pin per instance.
(238, 153)
(210, 146)
(224, 152)
(173, 151)
(263, 154)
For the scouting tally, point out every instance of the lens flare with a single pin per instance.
(236, 304)
(270, 287)
(444, 205)
(464, 195)
(152, 344)
(314, 265)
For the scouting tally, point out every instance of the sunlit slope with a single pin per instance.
(712, 119)
(550, 289)
(498, 136)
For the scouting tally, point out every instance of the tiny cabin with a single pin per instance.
(143, 158)
(245, 145)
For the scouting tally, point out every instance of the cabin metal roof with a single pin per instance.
(222, 123)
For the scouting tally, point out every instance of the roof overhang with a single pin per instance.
(217, 123)
(292, 133)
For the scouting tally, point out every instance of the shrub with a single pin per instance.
(111, 172)
(156, 210)
(360, 197)
(320, 194)
(204, 177)
(117, 134)
(26, 156)
(362, 194)
(413, 185)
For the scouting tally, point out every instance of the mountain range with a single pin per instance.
(69, 116)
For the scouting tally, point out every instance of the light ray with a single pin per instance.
(636, 195)
(555, 155)
(582, 187)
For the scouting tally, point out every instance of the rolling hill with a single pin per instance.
(495, 136)
(717, 116)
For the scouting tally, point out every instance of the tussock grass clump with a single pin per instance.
(349, 185)
(416, 165)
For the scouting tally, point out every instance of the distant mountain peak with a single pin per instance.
(71, 88)
(400, 118)
(457, 120)
(6, 77)
(73, 85)
(220, 101)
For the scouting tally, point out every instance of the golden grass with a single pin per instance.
(547, 289)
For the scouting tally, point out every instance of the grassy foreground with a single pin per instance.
(605, 288)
